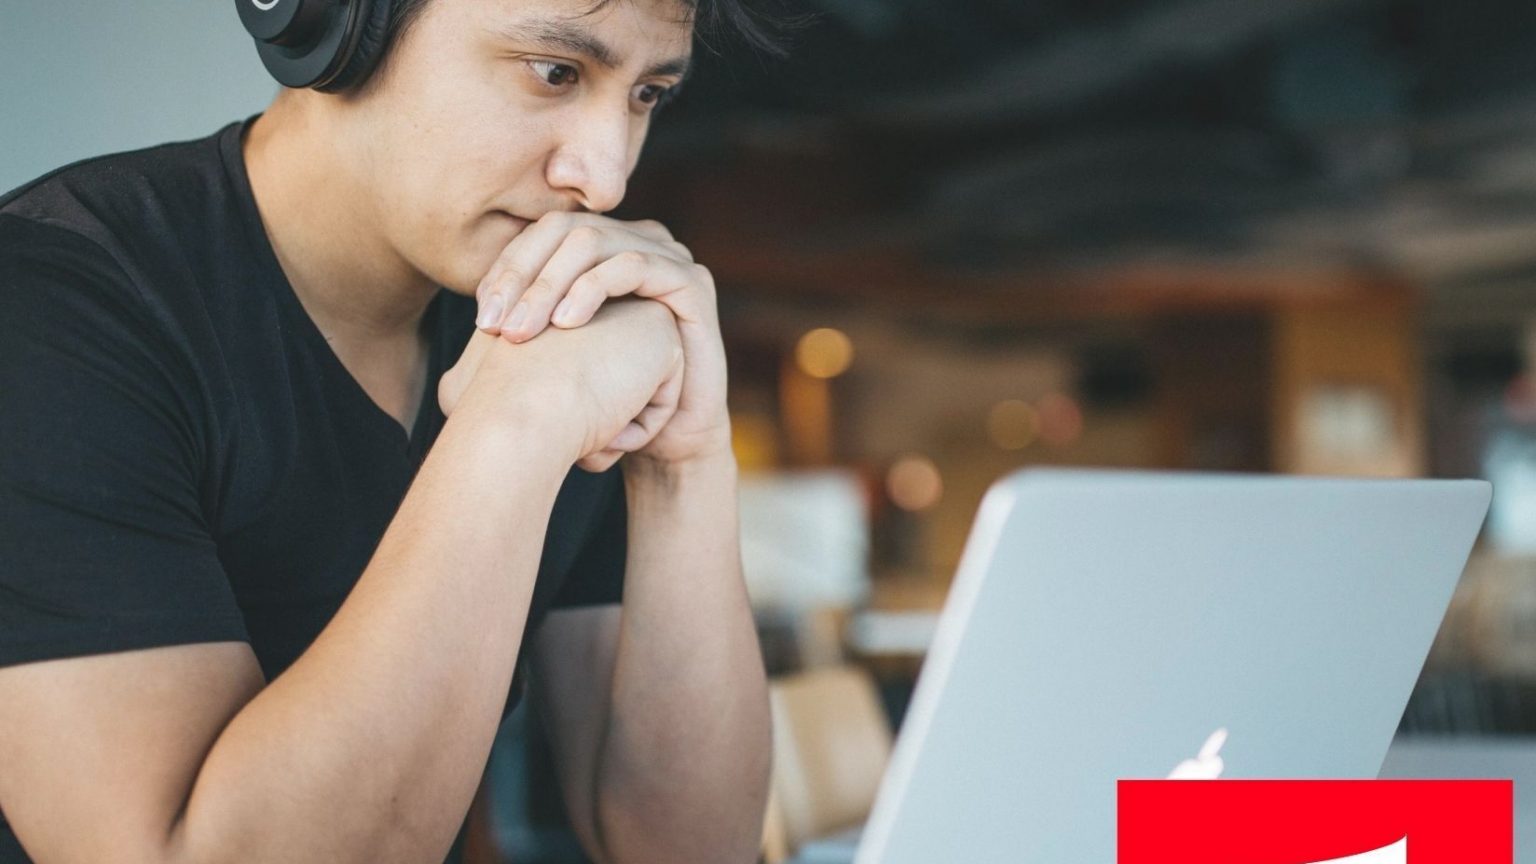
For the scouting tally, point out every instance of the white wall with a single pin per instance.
(83, 77)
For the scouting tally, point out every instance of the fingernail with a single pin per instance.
(562, 314)
(490, 311)
(519, 312)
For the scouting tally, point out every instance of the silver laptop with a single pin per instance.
(1109, 625)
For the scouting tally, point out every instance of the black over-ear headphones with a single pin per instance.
(329, 45)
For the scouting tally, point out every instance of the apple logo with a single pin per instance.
(1207, 765)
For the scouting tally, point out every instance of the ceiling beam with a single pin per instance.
(1076, 66)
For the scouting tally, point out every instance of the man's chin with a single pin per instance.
(457, 276)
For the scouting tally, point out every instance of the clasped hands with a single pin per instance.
(558, 272)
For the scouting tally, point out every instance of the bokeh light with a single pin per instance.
(914, 483)
(824, 353)
(1013, 424)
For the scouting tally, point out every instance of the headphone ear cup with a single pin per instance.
(359, 62)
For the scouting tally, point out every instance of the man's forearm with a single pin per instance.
(370, 747)
(683, 768)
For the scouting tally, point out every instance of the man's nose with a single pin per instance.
(593, 161)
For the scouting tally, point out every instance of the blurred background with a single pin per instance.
(956, 239)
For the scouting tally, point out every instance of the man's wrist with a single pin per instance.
(534, 418)
(649, 475)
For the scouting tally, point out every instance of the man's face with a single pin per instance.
(491, 113)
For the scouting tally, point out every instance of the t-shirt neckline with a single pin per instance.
(231, 152)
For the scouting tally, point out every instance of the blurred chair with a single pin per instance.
(819, 637)
(775, 842)
(831, 744)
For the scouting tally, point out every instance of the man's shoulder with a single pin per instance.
(153, 232)
(37, 255)
(118, 200)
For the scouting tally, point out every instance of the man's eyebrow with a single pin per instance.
(564, 35)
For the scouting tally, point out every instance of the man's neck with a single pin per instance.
(316, 213)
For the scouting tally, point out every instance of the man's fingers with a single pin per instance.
(643, 274)
(545, 259)
(599, 462)
(649, 422)
(583, 247)
(622, 274)
(633, 437)
(517, 264)
(649, 228)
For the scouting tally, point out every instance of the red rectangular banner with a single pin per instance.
(1316, 822)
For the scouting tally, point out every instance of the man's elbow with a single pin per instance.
(724, 830)
(706, 813)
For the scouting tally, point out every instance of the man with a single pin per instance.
(269, 569)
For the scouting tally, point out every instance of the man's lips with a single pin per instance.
(509, 214)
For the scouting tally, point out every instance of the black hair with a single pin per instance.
(712, 19)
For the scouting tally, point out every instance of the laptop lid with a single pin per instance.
(1103, 625)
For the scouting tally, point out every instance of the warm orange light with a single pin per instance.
(1013, 424)
(824, 353)
(755, 441)
(914, 483)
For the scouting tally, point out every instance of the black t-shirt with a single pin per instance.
(183, 458)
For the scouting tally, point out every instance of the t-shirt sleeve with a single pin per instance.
(103, 542)
(597, 574)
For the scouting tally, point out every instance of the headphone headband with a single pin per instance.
(330, 45)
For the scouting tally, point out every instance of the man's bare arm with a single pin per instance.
(659, 717)
(370, 746)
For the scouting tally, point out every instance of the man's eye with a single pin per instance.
(655, 94)
(552, 73)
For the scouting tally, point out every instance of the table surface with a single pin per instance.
(1415, 757)
(1475, 758)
